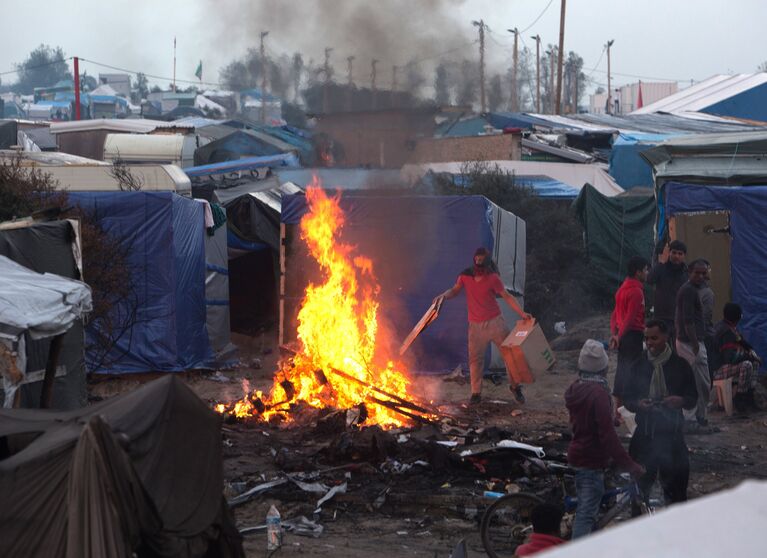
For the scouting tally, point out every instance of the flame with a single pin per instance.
(337, 329)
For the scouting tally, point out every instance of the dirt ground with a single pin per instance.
(428, 510)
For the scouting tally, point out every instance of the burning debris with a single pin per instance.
(340, 362)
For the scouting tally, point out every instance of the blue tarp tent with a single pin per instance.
(748, 257)
(164, 236)
(419, 245)
(627, 166)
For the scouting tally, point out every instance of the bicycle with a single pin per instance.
(506, 523)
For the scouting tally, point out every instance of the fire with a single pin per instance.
(340, 364)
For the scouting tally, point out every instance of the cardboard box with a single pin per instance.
(526, 351)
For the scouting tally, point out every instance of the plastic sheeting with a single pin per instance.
(164, 235)
(615, 229)
(748, 257)
(45, 305)
(627, 167)
(419, 245)
(139, 472)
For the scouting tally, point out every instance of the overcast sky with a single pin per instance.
(669, 39)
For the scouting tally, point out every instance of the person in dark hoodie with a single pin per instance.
(668, 275)
(627, 321)
(661, 385)
(595, 444)
(482, 284)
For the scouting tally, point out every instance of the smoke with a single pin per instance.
(395, 32)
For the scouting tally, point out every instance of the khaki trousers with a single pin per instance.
(480, 336)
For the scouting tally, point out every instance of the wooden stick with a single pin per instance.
(404, 402)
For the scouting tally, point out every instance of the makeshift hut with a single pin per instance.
(161, 326)
(51, 249)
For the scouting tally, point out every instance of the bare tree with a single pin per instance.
(126, 180)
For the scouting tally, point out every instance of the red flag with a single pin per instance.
(640, 104)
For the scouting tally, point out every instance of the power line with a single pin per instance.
(193, 82)
(526, 29)
(25, 69)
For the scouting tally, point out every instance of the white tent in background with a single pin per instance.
(728, 523)
(573, 174)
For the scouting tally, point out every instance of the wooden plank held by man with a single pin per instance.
(431, 314)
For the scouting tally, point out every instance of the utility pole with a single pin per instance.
(552, 84)
(77, 88)
(481, 25)
(393, 94)
(350, 82)
(373, 80)
(514, 93)
(609, 90)
(558, 109)
(263, 77)
(327, 80)
(537, 39)
(174, 64)
(575, 88)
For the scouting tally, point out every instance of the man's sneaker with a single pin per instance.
(475, 399)
(517, 392)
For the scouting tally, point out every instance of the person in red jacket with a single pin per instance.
(595, 444)
(627, 322)
(482, 284)
(546, 520)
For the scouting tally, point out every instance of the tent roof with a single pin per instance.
(706, 93)
(131, 126)
(43, 304)
(572, 174)
(242, 165)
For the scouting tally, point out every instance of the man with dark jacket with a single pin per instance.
(660, 386)
(627, 321)
(690, 336)
(732, 357)
(595, 444)
(668, 274)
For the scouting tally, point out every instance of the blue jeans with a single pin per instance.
(589, 487)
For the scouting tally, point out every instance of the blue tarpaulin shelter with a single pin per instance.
(419, 245)
(164, 237)
(748, 231)
(627, 166)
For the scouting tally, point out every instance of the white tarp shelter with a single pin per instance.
(728, 523)
(40, 304)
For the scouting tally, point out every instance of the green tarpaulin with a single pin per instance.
(615, 229)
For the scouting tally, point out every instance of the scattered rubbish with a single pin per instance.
(491, 494)
(338, 489)
(402, 438)
(512, 488)
(560, 328)
(303, 527)
(232, 489)
(447, 443)
(517, 412)
(512, 444)
(219, 377)
(245, 496)
(273, 529)
(402, 533)
(456, 375)
(423, 534)
(256, 364)
(381, 499)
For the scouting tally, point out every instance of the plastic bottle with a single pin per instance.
(273, 529)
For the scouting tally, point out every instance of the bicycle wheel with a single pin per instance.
(506, 524)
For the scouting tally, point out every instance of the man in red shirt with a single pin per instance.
(482, 285)
(627, 322)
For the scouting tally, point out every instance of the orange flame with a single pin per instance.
(337, 328)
